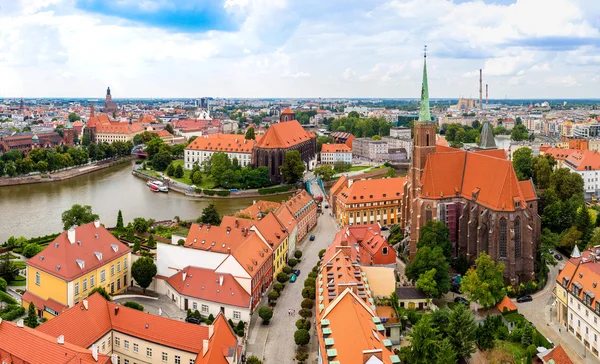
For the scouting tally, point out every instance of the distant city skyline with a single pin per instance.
(527, 49)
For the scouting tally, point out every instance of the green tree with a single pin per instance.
(519, 133)
(570, 237)
(584, 224)
(527, 338)
(301, 337)
(424, 342)
(8, 271)
(161, 161)
(293, 166)
(31, 320)
(151, 242)
(426, 259)
(435, 234)
(73, 117)
(461, 265)
(210, 215)
(542, 171)
(134, 305)
(170, 170)
(143, 271)
(78, 215)
(179, 171)
(325, 172)
(169, 128)
(485, 334)
(566, 184)
(102, 292)
(140, 225)
(30, 250)
(219, 165)
(265, 313)
(445, 353)
(522, 163)
(462, 329)
(196, 177)
(3, 284)
(440, 320)
(250, 134)
(427, 283)
(485, 283)
(120, 221)
(136, 245)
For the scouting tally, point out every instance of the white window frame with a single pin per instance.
(92, 281)
(204, 308)
(165, 357)
(102, 275)
(37, 278)
(135, 347)
(237, 315)
(76, 288)
(149, 352)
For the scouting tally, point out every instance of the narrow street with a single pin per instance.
(274, 343)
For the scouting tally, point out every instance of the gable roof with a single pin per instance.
(297, 202)
(206, 284)
(119, 128)
(231, 143)
(259, 209)
(559, 356)
(272, 230)
(335, 148)
(25, 345)
(371, 190)
(284, 135)
(102, 316)
(506, 303)
(92, 248)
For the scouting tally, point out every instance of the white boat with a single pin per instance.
(157, 186)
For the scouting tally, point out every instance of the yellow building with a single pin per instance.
(76, 262)
(276, 235)
(368, 201)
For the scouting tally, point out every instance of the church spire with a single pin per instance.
(424, 114)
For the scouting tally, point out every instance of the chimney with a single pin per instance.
(220, 280)
(95, 352)
(184, 275)
(61, 339)
(97, 223)
(20, 323)
(85, 304)
(71, 235)
(368, 354)
(480, 86)
(211, 331)
(204, 347)
(350, 182)
(116, 310)
(486, 93)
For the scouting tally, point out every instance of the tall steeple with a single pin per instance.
(424, 113)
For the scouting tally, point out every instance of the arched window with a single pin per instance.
(503, 246)
(517, 238)
(427, 139)
(428, 213)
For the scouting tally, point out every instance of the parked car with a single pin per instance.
(455, 287)
(384, 228)
(312, 238)
(326, 206)
(192, 320)
(296, 272)
(293, 278)
(526, 298)
(462, 301)
(558, 257)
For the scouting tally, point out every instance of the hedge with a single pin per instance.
(222, 193)
(269, 190)
(12, 312)
(5, 297)
(42, 239)
(134, 305)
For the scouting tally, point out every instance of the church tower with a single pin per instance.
(424, 135)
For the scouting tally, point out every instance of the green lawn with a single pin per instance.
(358, 168)
(514, 317)
(207, 181)
(515, 349)
(19, 264)
(10, 256)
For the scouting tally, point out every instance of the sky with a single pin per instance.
(299, 48)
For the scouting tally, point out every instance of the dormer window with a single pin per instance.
(80, 263)
(114, 247)
(98, 255)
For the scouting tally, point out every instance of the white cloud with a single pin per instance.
(350, 48)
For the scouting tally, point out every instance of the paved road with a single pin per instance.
(275, 342)
(542, 313)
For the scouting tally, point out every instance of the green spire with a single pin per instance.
(424, 114)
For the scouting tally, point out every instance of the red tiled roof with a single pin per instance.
(102, 316)
(232, 143)
(364, 191)
(284, 135)
(506, 302)
(272, 230)
(41, 303)
(559, 356)
(119, 128)
(259, 208)
(218, 239)
(335, 148)
(100, 119)
(207, 285)
(528, 190)
(252, 254)
(23, 345)
(60, 258)
(287, 110)
(298, 201)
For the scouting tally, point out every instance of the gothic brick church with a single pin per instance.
(476, 194)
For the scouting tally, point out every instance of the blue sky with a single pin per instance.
(299, 48)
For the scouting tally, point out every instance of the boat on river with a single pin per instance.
(157, 186)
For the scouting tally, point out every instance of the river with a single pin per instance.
(35, 210)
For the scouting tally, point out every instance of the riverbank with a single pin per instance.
(186, 190)
(64, 174)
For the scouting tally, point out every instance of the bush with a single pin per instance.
(273, 295)
(308, 292)
(282, 277)
(222, 193)
(3, 284)
(313, 275)
(502, 333)
(303, 324)
(278, 287)
(180, 242)
(4, 297)
(240, 328)
(210, 319)
(298, 254)
(301, 337)
(267, 191)
(305, 313)
(287, 270)
(12, 312)
(265, 313)
(301, 357)
(307, 303)
(134, 305)
(310, 282)
(292, 262)
(321, 253)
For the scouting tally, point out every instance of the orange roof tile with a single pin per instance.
(25, 345)
(338, 186)
(528, 190)
(231, 143)
(287, 110)
(237, 222)
(41, 303)
(559, 356)
(370, 190)
(102, 316)
(219, 239)
(272, 230)
(259, 208)
(299, 201)
(94, 121)
(506, 303)
(335, 148)
(285, 216)
(284, 135)
(208, 285)
(92, 248)
(252, 254)
(119, 128)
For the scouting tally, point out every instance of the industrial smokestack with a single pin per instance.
(486, 93)
(480, 87)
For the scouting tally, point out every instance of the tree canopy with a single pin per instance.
(210, 215)
(435, 233)
(143, 271)
(522, 163)
(293, 166)
(78, 215)
(426, 259)
(519, 133)
(485, 283)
